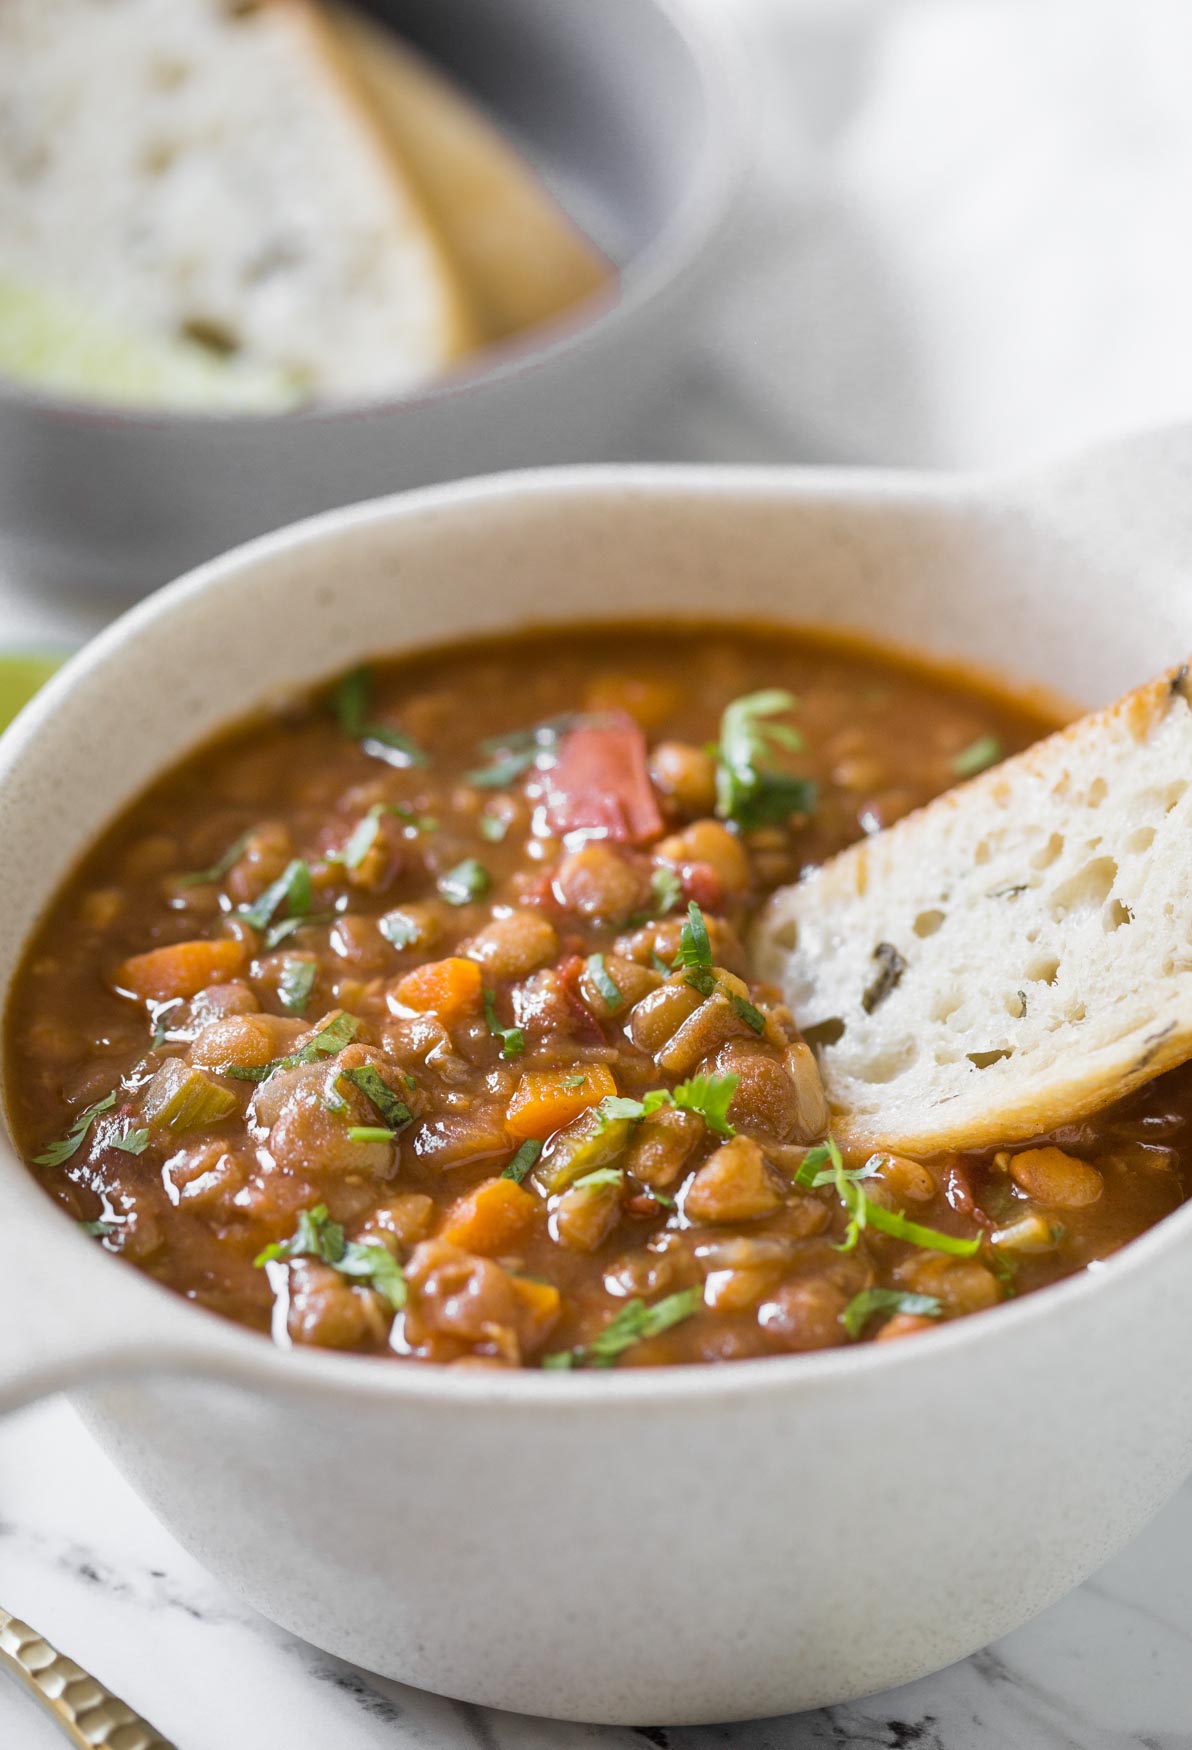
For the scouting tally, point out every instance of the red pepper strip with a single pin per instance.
(599, 784)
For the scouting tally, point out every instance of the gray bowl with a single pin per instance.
(630, 111)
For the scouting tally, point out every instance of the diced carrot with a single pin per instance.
(490, 1218)
(540, 1304)
(182, 970)
(451, 988)
(547, 1099)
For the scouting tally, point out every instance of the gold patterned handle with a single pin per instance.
(90, 1715)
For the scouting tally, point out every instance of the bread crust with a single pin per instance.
(1017, 954)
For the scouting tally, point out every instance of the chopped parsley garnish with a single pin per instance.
(667, 890)
(366, 831)
(369, 1133)
(100, 1230)
(467, 882)
(295, 985)
(513, 1039)
(871, 1301)
(631, 1325)
(493, 828)
(708, 1096)
(863, 1212)
(353, 707)
(129, 1141)
(750, 790)
(695, 950)
(159, 1012)
(292, 889)
(601, 1176)
(276, 934)
(220, 868)
(398, 929)
(329, 1041)
(317, 1236)
(695, 957)
(376, 1089)
(753, 1018)
(985, 751)
(363, 837)
(72, 1142)
(609, 989)
(511, 756)
(522, 1161)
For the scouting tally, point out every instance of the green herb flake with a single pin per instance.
(295, 984)
(129, 1141)
(493, 828)
(978, 756)
(709, 1097)
(276, 934)
(752, 1017)
(292, 889)
(750, 791)
(159, 1013)
(100, 1230)
(695, 950)
(864, 1213)
(601, 1176)
(512, 755)
(667, 890)
(399, 929)
(329, 1041)
(631, 1325)
(466, 883)
(872, 1301)
(606, 985)
(352, 702)
(369, 1133)
(368, 1262)
(513, 1039)
(377, 1091)
(523, 1160)
(60, 1152)
(223, 866)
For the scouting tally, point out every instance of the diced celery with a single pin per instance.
(181, 1097)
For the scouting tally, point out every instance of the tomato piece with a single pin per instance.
(600, 785)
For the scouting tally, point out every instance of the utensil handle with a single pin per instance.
(90, 1715)
(88, 1318)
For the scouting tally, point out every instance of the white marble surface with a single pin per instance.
(838, 337)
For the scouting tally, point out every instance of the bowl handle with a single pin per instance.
(72, 1317)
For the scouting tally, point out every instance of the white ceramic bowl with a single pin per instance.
(689, 1545)
(634, 110)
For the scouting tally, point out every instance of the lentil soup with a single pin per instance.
(416, 1018)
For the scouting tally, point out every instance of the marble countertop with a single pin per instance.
(1109, 1668)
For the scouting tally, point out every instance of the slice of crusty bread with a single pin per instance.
(1013, 956)
(204, 170)
(523, 258)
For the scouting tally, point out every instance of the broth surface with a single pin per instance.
(416, 1018)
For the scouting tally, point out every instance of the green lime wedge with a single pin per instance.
(23, 673)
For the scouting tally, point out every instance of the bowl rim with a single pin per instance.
(672, 255)
(244, 1355)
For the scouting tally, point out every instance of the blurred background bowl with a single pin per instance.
(629, 111)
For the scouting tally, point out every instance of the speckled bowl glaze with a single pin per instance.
(692, 1545)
